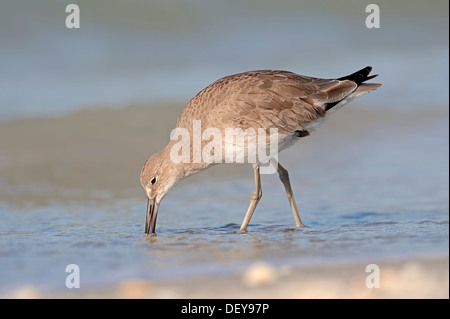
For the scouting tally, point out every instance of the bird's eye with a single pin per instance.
(153, 181)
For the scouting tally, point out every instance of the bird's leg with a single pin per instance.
(284, 177)
(254, 199)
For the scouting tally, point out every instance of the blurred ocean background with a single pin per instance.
(82, 109)
(150, 51)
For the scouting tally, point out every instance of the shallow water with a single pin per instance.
(108, 243)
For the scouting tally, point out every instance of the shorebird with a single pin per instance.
(293, 104)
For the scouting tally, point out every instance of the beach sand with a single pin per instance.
(419, 278)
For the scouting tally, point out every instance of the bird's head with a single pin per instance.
(158, 176)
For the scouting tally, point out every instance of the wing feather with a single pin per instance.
(268, 98)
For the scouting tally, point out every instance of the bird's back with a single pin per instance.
(270, 99)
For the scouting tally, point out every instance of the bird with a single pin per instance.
(293, 105)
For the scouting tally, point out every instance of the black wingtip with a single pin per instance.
(359, 76)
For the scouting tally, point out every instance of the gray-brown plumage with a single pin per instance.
(293, 104)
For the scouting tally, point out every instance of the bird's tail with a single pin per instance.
(359, 77)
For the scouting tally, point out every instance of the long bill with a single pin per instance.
(152, 213)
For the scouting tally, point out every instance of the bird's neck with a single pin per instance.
(183, 166)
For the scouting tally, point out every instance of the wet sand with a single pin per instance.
(97, 154)
(423, 278)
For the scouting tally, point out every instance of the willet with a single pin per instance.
(292, 104)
